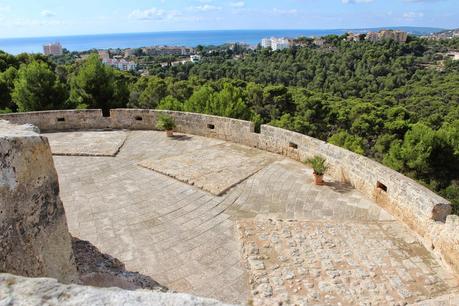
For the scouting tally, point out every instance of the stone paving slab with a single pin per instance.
(141, 145)
(301, 262)
(215, 169)
(97, 143)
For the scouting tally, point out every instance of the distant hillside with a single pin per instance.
(446, 34)
(411, 30)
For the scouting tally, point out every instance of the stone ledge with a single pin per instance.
(15, 290)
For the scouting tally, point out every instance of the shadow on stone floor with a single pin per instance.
(102, 270)
(181, 137)
(339, 187)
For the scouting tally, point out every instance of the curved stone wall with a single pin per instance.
(423, 211)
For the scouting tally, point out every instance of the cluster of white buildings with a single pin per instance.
(276, 43)
(167, 50)
(448, 34)
(53, 49)
(192, 59)
(284, 43)
(118, 63)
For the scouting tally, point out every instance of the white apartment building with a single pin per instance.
(280, 44)
(53, 49)
(266, 43)
(120, 64)
(276, 43)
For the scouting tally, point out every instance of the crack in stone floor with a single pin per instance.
(186, 238)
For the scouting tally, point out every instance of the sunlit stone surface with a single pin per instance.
(186, 238)
(86, 143)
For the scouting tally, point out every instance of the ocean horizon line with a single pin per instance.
(226, 30)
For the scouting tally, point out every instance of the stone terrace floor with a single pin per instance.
(342, 248)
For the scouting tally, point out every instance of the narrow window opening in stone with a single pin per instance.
(60, 119)
(293, 145)
(106, 113)
(138, 118)
(381, 186)
(211, 126)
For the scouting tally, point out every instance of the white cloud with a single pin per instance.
(48, 14)
(4, 8)
(31, 23)
(206, 8)
(153, 14)
(284, 12)
(238, 4)
(413, 15)
(148, 14)
(356, 1)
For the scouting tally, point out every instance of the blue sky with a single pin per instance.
(27, 18)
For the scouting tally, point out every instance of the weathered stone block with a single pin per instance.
(34, 238)
(16, 290)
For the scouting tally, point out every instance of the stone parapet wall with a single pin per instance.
(403, 197)
(34, 238)
(422, 210)
(445, 240)
(61, 120)
(198, 124)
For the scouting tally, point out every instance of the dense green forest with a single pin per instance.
(396, 103)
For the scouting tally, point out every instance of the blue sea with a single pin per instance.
(136, 40)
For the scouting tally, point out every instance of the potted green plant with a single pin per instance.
(319, 165)
(166, 123)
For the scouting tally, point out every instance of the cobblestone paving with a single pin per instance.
(86, 143)
(184, 237)
(304, 262)
(214, 169)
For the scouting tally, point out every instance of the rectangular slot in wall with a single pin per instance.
(381, 186)
(138, 118)
(293, 145)
(211, 126)
(105, 113)
(60, 119)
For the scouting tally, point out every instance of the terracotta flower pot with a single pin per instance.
(318, 179)
(170, 133)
